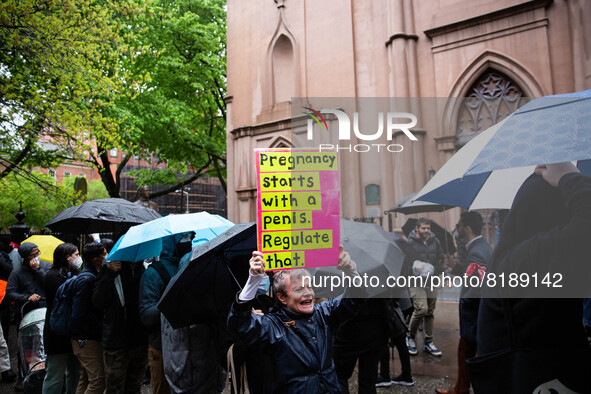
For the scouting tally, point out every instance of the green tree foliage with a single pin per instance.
(40, 204)
(95, 189)
(52, 69)
(177, 112)
(79, 77)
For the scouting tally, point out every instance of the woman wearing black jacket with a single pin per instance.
(60, 359)
(124, 338)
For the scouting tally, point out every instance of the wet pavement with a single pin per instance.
(430, 372)
(446, 337)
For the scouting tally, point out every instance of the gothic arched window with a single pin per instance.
(283, 70)
(490, 99)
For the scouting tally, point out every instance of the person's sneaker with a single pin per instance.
(411, 345)
(431, 349)
(8, 376)
(403, 380)
(383, 381)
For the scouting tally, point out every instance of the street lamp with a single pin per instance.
(185, 193)
(20, 230)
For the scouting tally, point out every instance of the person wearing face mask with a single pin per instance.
(26, 284)
(60, 359)
(86, 322)
(297, 333)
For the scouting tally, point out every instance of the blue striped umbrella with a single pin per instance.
(488, 170)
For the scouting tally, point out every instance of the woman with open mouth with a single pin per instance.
(297, 332)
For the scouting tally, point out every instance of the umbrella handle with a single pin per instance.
(231, 273)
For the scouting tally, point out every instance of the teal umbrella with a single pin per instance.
(203, 290)
(145, 240)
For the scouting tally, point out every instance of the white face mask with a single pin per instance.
(38, 259)
(77, 262)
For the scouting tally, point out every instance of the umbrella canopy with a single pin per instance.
(204, 289)
(145, 240)
(374, 252)
(488, 170)
(490, 190)
(446, 239)
(407, 205)
(404, 245)
(106, 215)
(547, 130)
(46, 245)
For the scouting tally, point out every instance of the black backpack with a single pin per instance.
(60, 320)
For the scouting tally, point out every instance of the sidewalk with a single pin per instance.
(447, 334)
(428, 371)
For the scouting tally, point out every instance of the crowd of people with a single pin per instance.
(298, 343)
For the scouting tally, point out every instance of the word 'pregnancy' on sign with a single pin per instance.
(298, 203)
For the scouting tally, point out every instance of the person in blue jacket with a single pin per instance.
(298, 333)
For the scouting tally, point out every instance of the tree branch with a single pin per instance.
(171, 189)
(14, 163)
(120, 167)
(220, 100)
(106, 173)
(220, 177)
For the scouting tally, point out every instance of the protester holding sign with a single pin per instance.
(297, 332)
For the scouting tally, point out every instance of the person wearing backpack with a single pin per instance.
(60, 359)
(153, 283)
(86, 323)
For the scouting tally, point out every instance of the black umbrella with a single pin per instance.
(106, 215)
(407, 206)
(203, 290)
(404, 245)
(373, 251)
(446, 239)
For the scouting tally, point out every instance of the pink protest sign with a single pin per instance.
(298, 207)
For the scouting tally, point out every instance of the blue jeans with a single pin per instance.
(56, 366)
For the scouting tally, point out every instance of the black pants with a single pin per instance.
(368, 367)
(400, 344)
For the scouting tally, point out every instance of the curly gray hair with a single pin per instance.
(280, 277)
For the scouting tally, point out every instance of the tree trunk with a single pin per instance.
(107, 175)
(216, 165)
